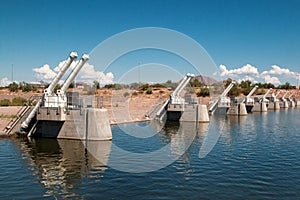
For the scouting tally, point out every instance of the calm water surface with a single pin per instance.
(256, 157)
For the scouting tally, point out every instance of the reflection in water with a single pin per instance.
(139, 155)
(181, 135)
(60, 164)
(257, 158)
(235, 120)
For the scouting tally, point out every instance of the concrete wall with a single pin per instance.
(274, 106)
(203, 114)
(51, 114)
(188, 113)
(237, 109)
(283, 104)
(85, 124)
(291, 104)
(260, 107)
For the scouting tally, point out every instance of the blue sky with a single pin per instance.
(262, 34)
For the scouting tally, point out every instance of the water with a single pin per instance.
(256, 157)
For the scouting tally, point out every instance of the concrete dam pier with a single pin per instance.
(225, 106)
(261, 105)
(177, 108)
(62, 114)
(83, 123)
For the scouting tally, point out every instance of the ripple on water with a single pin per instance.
(256, 157)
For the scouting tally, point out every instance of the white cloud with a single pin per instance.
(4, 82)
(245, 70)
(44, 72)
(274, 80)
(275, 75)
(88, 72)
(247, 78)
(276, 70)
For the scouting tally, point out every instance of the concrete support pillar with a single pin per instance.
(237, 109)
(291, 104)
(242, 109)
(264, 107)
(260, 107)
(233, 110)
(98, 126)
(284, 104)
(203, 114)
(86, 124)
(274, 106)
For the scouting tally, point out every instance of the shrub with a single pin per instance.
(4, 102)
(158, 85)
(149, 91)
(27, 88)
(18, 101)
(134, 93)
(144, 87)
(126, 94)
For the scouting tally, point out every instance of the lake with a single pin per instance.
(255, 157)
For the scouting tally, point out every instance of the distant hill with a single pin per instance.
(205, 80)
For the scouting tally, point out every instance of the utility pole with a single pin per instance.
(12, 73)
(298, 79)
(139, 72)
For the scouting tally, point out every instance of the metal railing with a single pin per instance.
(21, 112)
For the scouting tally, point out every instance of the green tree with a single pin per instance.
(246, 90)
(196, 83)
(115, 86)
(109, 86)
(13, 87)
(235, 91)
(286, 86)
(72, 85)
(204, 91)
(245, 84)
(96, 85)
(57, 87)
(26, 87)
(134, 86)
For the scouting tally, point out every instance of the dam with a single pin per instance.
(62, 115)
